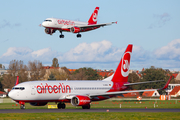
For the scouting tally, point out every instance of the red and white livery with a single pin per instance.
(53, 24)
(78, 93)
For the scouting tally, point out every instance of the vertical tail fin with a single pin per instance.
(17, 81)
(122, 71)
(93, 18)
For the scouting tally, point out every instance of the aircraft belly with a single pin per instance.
(48, 96)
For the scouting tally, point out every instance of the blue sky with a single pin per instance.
(153, 27)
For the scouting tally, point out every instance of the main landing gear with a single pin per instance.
(78, 35)
(22, 107)
(61, 105)
(62, 36)
(86, 107)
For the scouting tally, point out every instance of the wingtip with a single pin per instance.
(114, 22)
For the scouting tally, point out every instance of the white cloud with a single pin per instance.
(40, 52)
(99, 55)
(26, 54)
(17, 51)
(93, 52)
(139, 54)
(170, 51)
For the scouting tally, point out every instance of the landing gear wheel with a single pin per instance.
(86, 107)
(61, 36)
(78, 35)
(61, 105)
(22, 107)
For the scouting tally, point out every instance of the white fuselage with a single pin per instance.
(33, 91)
(55, 23)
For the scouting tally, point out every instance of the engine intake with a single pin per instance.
(79, 100)
(38, 104)
(49, 31)
(75, 29)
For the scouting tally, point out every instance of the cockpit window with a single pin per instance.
(48, 20)
(18, 88)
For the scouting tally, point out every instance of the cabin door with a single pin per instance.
(33, 90)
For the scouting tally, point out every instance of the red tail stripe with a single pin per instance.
(93, 18)
(17, 80)
(121, 73)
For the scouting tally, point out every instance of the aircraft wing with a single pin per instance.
(142, 82)
(96, 25)
(95, 95)
(123, 92)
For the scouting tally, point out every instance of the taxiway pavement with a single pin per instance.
(84, 110)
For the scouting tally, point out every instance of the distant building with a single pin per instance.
(3, 71)
(133, 94)
(2, 94)
(171, 87)
(151, 93)
(178, 77)
(49, 70)
(175, 92)
(105, 73)
(72, 70)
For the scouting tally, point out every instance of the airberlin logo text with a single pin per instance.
(60, 88)
(66, 22)
(85, 101)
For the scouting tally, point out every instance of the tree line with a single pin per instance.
(151, 74)
(34, 71)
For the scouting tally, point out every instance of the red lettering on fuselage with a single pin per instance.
(61, 88)
(66, 22)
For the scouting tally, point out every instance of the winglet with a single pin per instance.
(166, 85)
(17, 81)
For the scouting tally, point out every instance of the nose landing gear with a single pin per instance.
(61, 36)
(22, 105)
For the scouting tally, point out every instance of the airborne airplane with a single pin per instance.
(78, 93)
(53, 24)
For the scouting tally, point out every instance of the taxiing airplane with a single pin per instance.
(53, 24)
(78, 93)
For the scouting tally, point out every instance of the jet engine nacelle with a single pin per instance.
(38, 104)
(75, 29)
(79, 100)
(49, 31)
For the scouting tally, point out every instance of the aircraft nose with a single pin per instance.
(43, 24)
(11, 94)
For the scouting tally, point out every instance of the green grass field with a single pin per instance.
(107, 104)
(91, 116)
(129, 104)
